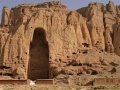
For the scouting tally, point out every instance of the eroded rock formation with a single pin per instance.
(5, 16)
(47, 40)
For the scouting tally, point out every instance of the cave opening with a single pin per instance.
(38, 67)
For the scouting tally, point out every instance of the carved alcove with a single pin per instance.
(38, 56)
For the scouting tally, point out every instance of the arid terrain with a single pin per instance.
(79, 50)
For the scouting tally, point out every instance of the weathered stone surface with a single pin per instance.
(111, 7)
(3, 39)
(5, 16)
(46, 40)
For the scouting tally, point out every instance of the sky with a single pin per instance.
(71, 4)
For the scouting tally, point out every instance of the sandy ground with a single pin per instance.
(53, 87)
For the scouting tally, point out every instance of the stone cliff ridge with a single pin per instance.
(49, 41)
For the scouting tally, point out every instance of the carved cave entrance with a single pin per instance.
(39, 56)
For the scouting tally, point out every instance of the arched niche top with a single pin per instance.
(38, 56)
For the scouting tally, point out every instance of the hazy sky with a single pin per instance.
(71, 4)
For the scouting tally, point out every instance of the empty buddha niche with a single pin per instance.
(39, 56)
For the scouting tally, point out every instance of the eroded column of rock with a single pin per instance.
(110, 21)
(94, 14)
(5, 16)
(116, 35)
(78, 23)
(3, 39)
(108, 40)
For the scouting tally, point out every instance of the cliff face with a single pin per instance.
(102, 24)
(47, 39)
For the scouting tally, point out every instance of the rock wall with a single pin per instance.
(68, 34)
(5, 16)
(103, 20)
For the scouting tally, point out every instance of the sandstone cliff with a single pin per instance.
(48, 39)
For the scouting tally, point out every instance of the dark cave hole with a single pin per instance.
(39, 56)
